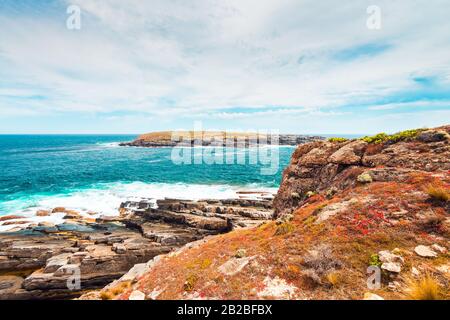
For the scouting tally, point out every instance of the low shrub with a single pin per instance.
(337, 139)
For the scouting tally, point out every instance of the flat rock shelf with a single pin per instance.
(41, 261)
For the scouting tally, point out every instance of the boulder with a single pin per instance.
(234, 265)
(425, 251)
(42, 213)
(433, 136)
(351, 153)
(10, 217)
(391, 262)
(137, 295)
(371, 296)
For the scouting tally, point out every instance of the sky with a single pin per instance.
(294, 66)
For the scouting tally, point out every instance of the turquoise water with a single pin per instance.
(91, 172)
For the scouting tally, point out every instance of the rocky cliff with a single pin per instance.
(327, 167)
(360, 219)
(216, 138)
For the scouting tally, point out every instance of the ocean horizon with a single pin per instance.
(92, 173)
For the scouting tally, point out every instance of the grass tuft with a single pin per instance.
(426, 288)
(438, 193)
(284, 228)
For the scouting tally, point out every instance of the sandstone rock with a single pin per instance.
(137, 295)
(438, 248)
(317, 166)
(371, 296)
(70, 214)
(425, 251)
(392, 267)
(277, 288)
(119, 248)
(10, 217)
(42, 213)
(55, 262)
(9, 223)
(391, 262)
(234, 265)
(318, 155)
(351, 153)
(58, 210)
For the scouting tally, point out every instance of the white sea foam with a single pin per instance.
(105, 199)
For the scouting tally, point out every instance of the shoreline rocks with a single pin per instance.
(45, 261)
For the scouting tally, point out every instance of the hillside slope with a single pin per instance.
(342, 207)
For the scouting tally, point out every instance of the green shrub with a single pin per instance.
(374, 260)
(337, 139)
(382, 137)
(378, 138)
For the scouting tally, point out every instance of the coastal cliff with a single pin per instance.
(216, 138)
(345, 211)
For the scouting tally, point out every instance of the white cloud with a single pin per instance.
(201, 57)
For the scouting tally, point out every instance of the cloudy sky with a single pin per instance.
(300, 66)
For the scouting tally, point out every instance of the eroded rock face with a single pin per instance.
(322, 166)
(50, 259)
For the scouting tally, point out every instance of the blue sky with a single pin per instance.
(299, 66)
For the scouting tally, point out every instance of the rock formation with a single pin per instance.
(42, 261)
(345, 210)
(325, 166)
(212, 138)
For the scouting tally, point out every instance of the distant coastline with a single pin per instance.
(216, 138)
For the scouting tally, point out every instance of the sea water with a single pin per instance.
(93, 173)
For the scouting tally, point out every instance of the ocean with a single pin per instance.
(93, 173)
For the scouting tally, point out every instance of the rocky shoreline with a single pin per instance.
(43, 261)
(217, 139)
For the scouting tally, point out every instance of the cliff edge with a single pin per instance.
(359, 219)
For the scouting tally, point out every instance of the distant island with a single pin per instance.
(216, 138)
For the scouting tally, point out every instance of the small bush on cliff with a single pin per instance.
(374, 260)
(382, 137)
(378, 138)
(337, 139)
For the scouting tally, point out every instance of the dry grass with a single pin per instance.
(284, 228)
(425, 288)
(334, 279)
(438, 193)
(115, 291)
